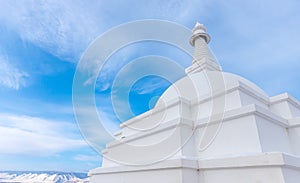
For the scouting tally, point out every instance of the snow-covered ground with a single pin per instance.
(42, 177)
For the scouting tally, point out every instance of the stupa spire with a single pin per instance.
(203, 58)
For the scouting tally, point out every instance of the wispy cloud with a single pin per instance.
(65, 28)
(150, 86)
(83, 157)
(10, 76)
(36, 136)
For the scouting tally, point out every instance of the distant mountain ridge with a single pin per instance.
(42, 177)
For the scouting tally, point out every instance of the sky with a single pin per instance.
(41, 43)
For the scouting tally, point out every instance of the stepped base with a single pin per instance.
(262, 168)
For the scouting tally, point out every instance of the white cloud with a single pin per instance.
(62, 28)
(65, 28)
(36, 136)
(10, 76)
(150, 86)
(82, 157)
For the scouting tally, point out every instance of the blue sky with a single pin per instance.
(42, 41)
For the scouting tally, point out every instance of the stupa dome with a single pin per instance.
(197, 86)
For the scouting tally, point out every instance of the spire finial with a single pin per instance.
(199, 26)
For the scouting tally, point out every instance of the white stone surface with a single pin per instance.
(227, 130)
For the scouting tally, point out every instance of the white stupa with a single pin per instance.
(208, 127)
